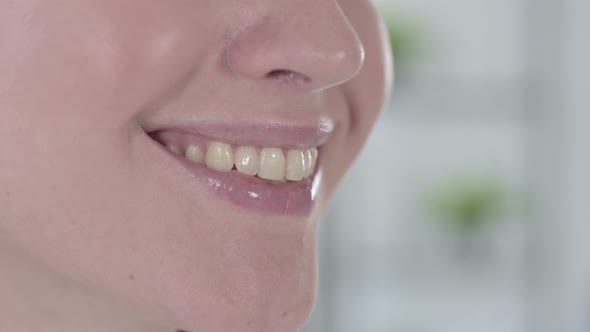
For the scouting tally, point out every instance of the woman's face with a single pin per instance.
(95, 95)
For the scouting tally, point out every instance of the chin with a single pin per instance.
(251, 280)
(257, 301)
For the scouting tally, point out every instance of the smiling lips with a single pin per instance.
(268, 179)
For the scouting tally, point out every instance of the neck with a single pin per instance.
(33, 299)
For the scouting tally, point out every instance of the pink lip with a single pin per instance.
(272, 134)
(290, 198)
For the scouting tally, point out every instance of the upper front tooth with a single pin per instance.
(295, 165)
(220, 157)
(247, 160)
(272, 164)
(194, 154)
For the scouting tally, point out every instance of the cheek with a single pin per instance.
(67, 97)
(52, 103)
(51, 93)
(86, 64)
(369, 90)
(365, 94)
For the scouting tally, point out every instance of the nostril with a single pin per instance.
(287, 76)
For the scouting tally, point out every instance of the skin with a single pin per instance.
(96, 233)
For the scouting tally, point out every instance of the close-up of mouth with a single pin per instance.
(287, 166)
(167, 166)
(266, 169)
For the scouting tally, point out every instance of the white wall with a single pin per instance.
(575, 311)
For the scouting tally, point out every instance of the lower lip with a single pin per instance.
(287, 199)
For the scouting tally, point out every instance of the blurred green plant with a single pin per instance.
(468, 203)
(407, 35)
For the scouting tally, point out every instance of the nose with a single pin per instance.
(309, 44)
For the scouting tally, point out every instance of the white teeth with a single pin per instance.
(246, 160)
(272, 164)
(174, 149)
(219, 157)
(195, 154)
(295, 165)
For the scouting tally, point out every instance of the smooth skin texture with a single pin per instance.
(97, 233)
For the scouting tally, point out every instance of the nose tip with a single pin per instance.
(312, 51)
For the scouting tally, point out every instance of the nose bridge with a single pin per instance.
(307, 43)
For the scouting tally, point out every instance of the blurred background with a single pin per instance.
(468, 209)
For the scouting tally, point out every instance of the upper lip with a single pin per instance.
(293, 134)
